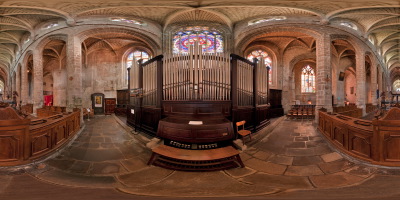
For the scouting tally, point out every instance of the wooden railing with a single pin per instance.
(48, 111)
(27, 109)
(370, 108)
(22, 141)
(374, 141)
(350, 111)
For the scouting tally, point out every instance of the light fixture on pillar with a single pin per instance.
(309, 102)
(327, 79)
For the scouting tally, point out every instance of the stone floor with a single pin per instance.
(107, 162)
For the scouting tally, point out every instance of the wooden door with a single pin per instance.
(110, 105)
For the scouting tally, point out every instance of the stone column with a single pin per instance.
(59, 87)
(37, 79)
(288, 91)
(24, 84)
(361, 80)
(380, 81)
(18, 84)
(323, 78)
(340, 88)
(374, 85)
(74, 74)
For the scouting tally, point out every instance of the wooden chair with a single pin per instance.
(289, 115)
(243, 132)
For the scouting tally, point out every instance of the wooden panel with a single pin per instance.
(262, 114)
(275, 98)
(174, 133)
(22, 141)
(10, 147)
(41, 142)
(351, 135)
(14, 132)
(109, 105)
(391, 147)
(60, 133)
(148, 119)
(214, 134)
(196, 108)
(122, 97)
(360, 143)
(243, 113)
(340, 136)
(212, 130)
(327, 128)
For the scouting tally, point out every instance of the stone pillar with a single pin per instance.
(340, 91)
(361, 80)
(37, 79)
(380, 82)
(288, 92)
(323, 78)
(59, 87)
(24, 84)
(18, 84)
(74, 74)
(374, 85)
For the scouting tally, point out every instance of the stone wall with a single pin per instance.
(350, 87)
(101, 75)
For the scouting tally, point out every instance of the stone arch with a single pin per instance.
(125, 53)
(197, 14)
(152, 44)
(297, 59)
(252, 35)
(296, 82)
(43, 42)
(272, 52)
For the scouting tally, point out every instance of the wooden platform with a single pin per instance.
(195, 160)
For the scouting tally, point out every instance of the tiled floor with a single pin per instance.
(107, 162)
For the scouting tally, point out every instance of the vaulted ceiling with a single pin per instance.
(376, 19)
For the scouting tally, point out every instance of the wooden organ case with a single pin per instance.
(192, 100)
(198, 86)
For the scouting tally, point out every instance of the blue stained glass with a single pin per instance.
(211, 43)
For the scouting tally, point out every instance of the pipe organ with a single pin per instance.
(196, 76)
(213, 88)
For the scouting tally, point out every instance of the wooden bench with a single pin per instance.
(195, 160)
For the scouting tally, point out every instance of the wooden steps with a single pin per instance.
(195, 160)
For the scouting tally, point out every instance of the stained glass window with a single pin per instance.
(138, 55)
(267, 60)
(210, 39)
(1, 87)
(307, 80)
(134, 57)
(396, 85)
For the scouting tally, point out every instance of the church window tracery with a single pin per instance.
(267, 60)
(210, 39)
(307, 79)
